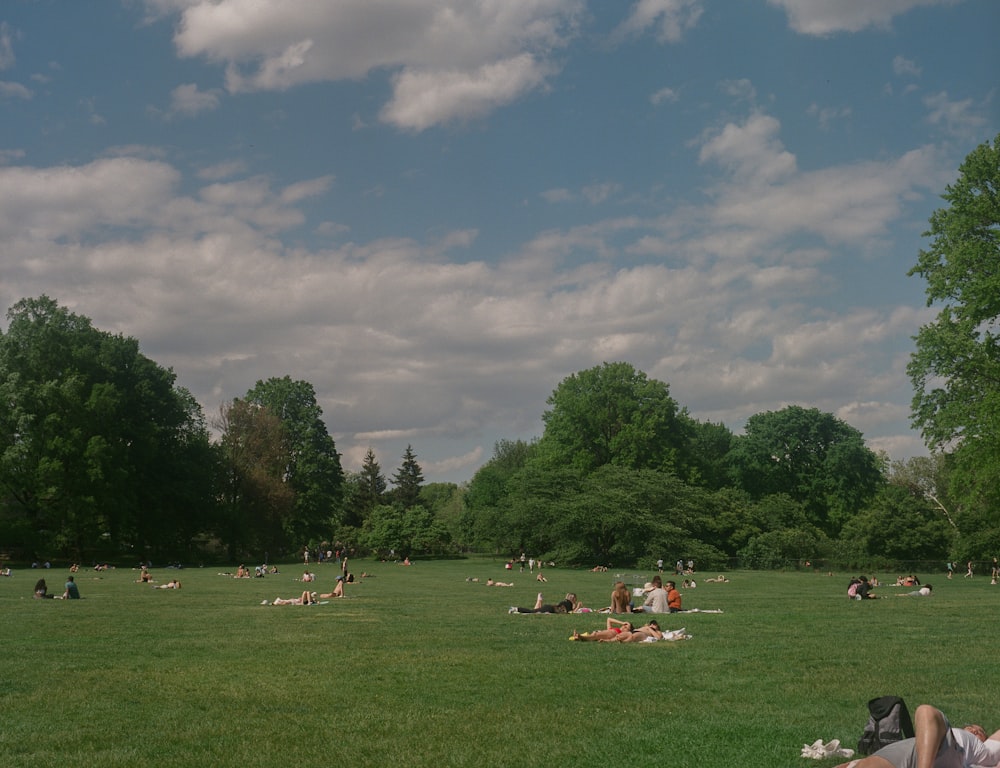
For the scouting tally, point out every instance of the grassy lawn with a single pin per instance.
(418, 666)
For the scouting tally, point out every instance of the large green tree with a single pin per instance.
(813, 457)
(312, 465)
(407, 480)
(614, 414)
(955, 368)
(99, 450)
(257, 501)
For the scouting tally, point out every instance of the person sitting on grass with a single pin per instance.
(621, 600)
(307, 598)
(72, 591)
(338, 590)
(936, 745)
(614, 628)
(42, 590)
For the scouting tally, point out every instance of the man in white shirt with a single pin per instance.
(936, 745)
(656, 597)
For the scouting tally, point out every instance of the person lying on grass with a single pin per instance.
(307, 598)
(567, 605)
(622, 632)
(491, 583)
(936, 745)
(172, 584)
(614, 628)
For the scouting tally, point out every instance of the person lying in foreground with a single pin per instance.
(936, 745)
(307, 598)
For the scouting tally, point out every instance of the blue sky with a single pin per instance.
(434, 211)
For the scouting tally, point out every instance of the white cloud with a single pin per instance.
(826, 115)
(424, 98)
(956, 118)
(752, 151)
(664, 95)
(187, 100)
(905, 67)
(772, 199)
(453, 60)
(9, 90)
(825, 17)
(670, 18)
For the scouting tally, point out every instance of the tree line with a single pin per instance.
(103, 454)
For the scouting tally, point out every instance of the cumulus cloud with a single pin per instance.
(841, 204)
(451, 60)
(714, 299)
(821, 17)
(422, 99)
(669, 18)
(961, 119)
(11, 90)
(664, 95)
(905, 67)
(187, 100)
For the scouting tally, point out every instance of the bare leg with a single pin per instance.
(538, 602)
(930, 726)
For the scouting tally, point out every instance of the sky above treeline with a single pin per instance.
(434, 211)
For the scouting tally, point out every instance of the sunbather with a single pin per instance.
(936, 745)
(614, 628)
(307, 598)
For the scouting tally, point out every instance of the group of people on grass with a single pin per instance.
(860, 588)
(659, 598)
(619, 631)
(310, 598)
(70, 590)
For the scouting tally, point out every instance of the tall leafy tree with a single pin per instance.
(95, 439)
(408, 480)
(372, 483)
(955, 368)
(614, 414)
(257, 501)
(312, 465)
(813, 457)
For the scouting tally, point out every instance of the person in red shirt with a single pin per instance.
(673, 598)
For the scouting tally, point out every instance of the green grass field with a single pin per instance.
(419, 667)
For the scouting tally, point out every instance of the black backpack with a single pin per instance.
(888, 721)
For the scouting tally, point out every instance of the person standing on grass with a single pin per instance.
(936, 745)
(72, 592)
(968, 570)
